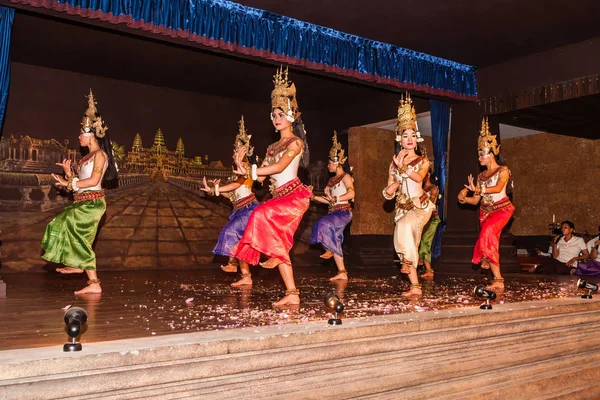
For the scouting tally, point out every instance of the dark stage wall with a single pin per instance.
(560, 64)
(48, 103)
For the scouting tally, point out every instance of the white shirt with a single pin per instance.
(571, 249)
(86, 170)
(339, 189)
(590, 246)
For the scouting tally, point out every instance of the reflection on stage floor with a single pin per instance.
(148, 303)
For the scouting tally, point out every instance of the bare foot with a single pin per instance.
(496, 286)
(427, 274)
(271, 263)
(485, 264)
(245, 281)
(342, 276)
(327, 255)
(91, 288)
(69, 270)
(405, 269)
(290, 299)
(412, 292)
(229, 268)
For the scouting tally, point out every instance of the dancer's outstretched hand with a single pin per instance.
(399, 158)
(239, 157)
(471, 185)
(205, 187)
(66, 166)
(60, 181)
(240, 170)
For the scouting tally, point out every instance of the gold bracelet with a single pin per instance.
(386, 195)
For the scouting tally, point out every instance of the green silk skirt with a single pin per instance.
(69, 236)
(427, 238)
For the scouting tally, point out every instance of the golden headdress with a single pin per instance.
(336, 154)
(242, 139)
(284, 95)
(407, 117)
(92, 122)
(486, 141)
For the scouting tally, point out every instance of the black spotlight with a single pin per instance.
(333, 301)
(589, 286)
(75, 318)
(481, 291)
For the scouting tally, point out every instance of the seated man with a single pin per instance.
(565, 250)
(591, 266)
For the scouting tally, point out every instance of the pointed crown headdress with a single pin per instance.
(242, 139)
(486, 140)
(284, 94)
(336, 153)
(92, 122)
(407, 117)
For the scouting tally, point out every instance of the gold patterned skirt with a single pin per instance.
(409, 227)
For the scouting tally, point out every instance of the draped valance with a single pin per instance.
(233, 27)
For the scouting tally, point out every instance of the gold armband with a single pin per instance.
(503, 179)
(350, 189)
(98, 170)
(291, 152)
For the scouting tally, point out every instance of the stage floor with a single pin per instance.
(147, 303)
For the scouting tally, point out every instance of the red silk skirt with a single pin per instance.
(272, 225)
(492, 219)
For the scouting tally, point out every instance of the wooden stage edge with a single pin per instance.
(523, 350)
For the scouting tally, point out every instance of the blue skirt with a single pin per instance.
(329, 231)
(234, 229)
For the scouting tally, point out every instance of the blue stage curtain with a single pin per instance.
(250, 31)
(7, 16)
(440, 127)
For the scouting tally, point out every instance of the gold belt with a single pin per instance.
(495, 206)
(79, 197)
(287, 188)
(244, 201)
(339, 207)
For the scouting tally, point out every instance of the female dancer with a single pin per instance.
(405, 182)
(272, 225)
(69, 237)
(495, 208)
(244, 202)
(430, 229)
(329, 230)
